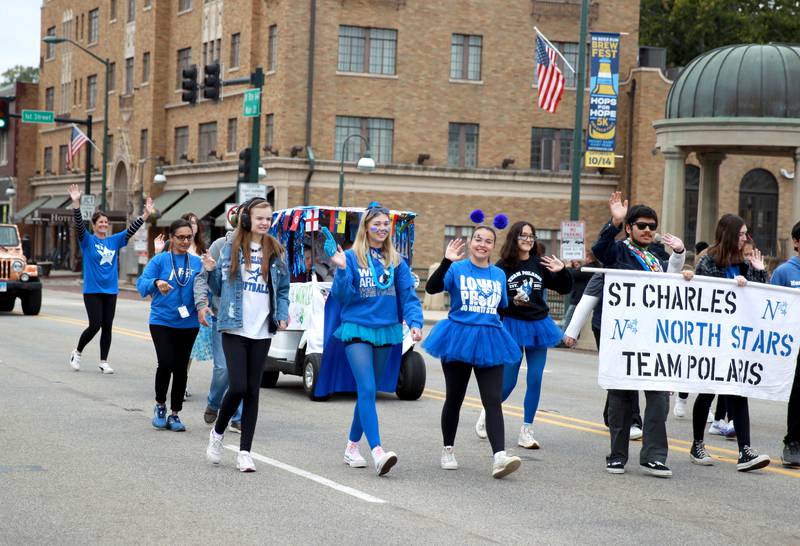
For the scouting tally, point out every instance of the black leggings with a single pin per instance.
(173, 347)
(722, 405)
(490, 385)
(100, 308)
(736, 407)
(245, 359)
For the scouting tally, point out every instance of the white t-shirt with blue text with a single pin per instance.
(255, 297)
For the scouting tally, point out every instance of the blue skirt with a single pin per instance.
(386, 335)
(538, 334)
(481, 346)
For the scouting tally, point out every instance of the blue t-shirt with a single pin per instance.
(787, 274)
(100, 263)
(164, 309)
(475, 293)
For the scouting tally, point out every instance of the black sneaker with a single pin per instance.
(615, 467)
(791, 455)
(749, 459)
(657, 469)
(699, 455)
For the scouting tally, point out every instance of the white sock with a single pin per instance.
(499, 455)
(377, 453)
(351, 445)
(217, 436)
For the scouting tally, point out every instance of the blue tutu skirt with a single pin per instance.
(481, 346)
(386, 335)
(201, 350)
(539, 334)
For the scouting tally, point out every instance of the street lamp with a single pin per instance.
(57, 40)
(366, 164)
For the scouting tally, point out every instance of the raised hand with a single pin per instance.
(148, 208)
(209, 263)
(455, 250)
(757, 261)
(673, 242)
(75, 194)
(339, 259)
(618, 208)
(159, 243)
(553, 264)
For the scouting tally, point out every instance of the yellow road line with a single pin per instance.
(116, 329)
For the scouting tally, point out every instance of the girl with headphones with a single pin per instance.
(252, 282)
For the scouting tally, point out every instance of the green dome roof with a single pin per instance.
(739, 81)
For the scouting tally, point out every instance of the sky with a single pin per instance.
(19, 40)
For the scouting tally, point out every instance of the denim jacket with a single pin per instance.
(229, 315)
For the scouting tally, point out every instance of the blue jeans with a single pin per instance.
(219, 377)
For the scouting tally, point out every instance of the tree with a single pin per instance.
(687, 28)
(20, 73)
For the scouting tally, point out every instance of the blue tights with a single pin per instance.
(536, 358)
(367, 363)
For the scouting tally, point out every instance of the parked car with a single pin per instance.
(18, 279)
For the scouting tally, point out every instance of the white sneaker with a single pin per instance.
(680, 407)
(187, 394)
(352, 456)
(718, 428)
(636, 433)
(244, 462)
(710, 418)
(480, 426)
(75, 360)
(449, 458)
(214, 449)
(504, 464)
(105, 368)
(526, 438)
(384, 460)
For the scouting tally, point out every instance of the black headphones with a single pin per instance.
(243, 212)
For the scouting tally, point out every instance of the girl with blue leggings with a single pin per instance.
(527, 318)
(373, 292)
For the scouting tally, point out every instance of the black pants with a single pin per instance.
(636, 416)
(245, 359)
(654, 431)
(100, 308)
(173, 347)
(737, 408)
(722, 407)
(793, 411)
(490, 385)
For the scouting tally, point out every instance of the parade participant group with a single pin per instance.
(236, 294)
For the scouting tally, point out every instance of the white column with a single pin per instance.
(796, 187)
(708, 196)
(673, 201)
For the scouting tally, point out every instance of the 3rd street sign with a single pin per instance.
(38, 116)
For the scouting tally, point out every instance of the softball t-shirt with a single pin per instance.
(100, 259)
(255, 297)
(475, 293)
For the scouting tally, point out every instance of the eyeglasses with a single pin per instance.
(645, 225)
(526, 238)
(183, 238)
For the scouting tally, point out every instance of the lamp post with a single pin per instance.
(158, 178)
(365, 164)
(107, 64)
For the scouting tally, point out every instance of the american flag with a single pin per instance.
(76, 141)
(551, 80)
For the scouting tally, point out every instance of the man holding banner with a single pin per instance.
(640, 225)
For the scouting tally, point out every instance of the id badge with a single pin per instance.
(183, 311)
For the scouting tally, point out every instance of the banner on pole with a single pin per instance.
(604, 86)
(662, 333)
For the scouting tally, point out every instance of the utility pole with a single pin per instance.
(577, 134)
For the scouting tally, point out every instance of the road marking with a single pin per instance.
(313, 477)
(116, 329)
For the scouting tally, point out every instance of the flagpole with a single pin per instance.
(577, 134)
(87, 137)
(87, 186)
(566, 62)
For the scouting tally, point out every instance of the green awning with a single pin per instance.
(166, 200)
(200, 202)
(21, 214)
(55, 202)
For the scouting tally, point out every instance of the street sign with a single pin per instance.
(573, 245)
(38, 116)
(228, 207)
(87, 206)
(249, 191)
(251, 107)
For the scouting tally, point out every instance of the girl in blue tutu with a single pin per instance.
(375, 290)
(527, 318)
(472, 339)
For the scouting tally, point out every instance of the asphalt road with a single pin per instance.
(81, 463)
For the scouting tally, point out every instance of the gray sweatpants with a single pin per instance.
(654, 431)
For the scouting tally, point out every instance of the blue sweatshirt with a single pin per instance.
(475, 293)
(164, 308)
(365, 304)
(787, 274)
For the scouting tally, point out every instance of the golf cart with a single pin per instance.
(298, 349)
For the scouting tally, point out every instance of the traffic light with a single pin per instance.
(244, 165)
(189, 84)
(211, 82)
(4, 120)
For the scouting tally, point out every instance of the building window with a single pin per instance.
(112, 76)
(551, 149)
(570, 51)
(758, 206)
(207, 143)
(94, 26)
(91, 92)
(62, 159)
(379, 132)
(50, 49)
(465, 57)
(64, 102)
(184, 5)
(181, 145)
(211, 51)
(369, 50)
(75, 93)
(129, 76)
(48, 161)
(184, 61)
(113, 10)
(110, 146)
(83, 21)
(3, 147)
(233, 127)
(49, 99)
(146, 67)
(462, 145)
(235, 40)
(269, 139)
(272, 49)
(148, 4)
(457, 232)
(80, 91)
(144, 143)
(131, 11)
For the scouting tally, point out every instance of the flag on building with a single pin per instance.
(550, 78)
(312, 220)
(76, 141)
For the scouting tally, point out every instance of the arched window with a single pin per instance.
(758, 205)
(691, 196)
